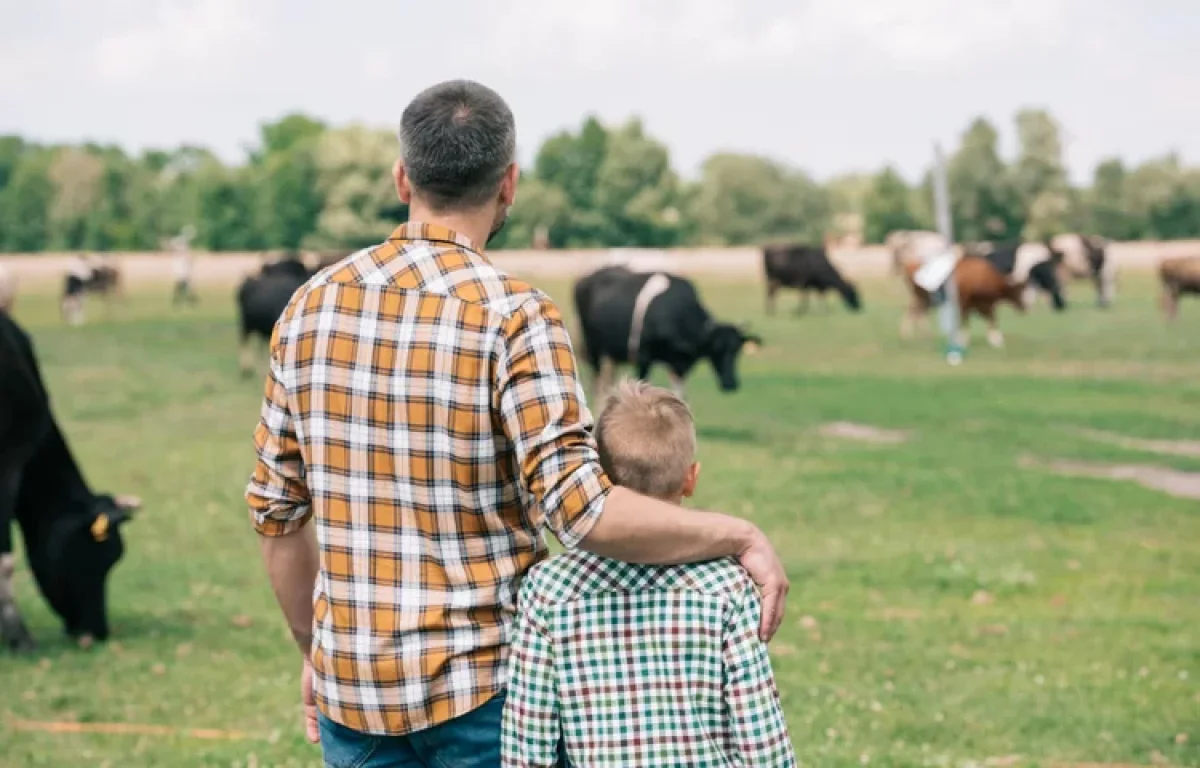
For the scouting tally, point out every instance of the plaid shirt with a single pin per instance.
(423, 408)
(631, 665)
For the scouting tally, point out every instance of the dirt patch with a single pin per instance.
(865, 433)
(1183, 485)
(1190, 448)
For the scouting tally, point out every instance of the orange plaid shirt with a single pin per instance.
(425, 410)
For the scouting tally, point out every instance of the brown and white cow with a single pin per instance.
(1179, 275)
(985, 277)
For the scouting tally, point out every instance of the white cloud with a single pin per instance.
(936, 31)
(179, 41)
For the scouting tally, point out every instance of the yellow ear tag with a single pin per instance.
(100, 528)
(751, 348)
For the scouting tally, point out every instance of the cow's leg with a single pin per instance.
(802, 307)
(677, 384)
(246, 354)
(643, 368)
(772, 289)
(994, 336)
(1170, 302)
(13, 632)
(604, 377)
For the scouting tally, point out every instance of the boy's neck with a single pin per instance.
(676, 499)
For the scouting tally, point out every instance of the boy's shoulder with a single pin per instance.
(578, 574)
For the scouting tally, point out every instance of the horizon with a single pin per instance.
(880, 84)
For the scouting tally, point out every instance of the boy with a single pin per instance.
(614, 664)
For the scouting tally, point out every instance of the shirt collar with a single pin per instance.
(419, 230)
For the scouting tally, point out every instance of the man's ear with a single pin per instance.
(691, 480)
(400, 176)
(508, 185)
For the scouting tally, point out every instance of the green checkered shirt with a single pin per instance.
(633, 665)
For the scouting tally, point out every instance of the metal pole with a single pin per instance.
(948, 316)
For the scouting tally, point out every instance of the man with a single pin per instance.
(424, 409)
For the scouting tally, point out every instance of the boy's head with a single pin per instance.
(647, 441)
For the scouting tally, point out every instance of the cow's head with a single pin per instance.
(849, 293)
(1045, 277)
(722, 347)
(84, 547)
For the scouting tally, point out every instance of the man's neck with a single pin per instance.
(474, 225)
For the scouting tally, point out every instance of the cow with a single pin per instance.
(806, 268)
(261, 299)
(1179, 275)
(72, 536)
(984, 277)
(914, 247)
(642, 318)
(8, 289)
(84, 276)
(1085, 257)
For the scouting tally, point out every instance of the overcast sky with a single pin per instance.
(825, 85)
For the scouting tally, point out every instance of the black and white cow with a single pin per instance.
(806, 268)
(8, 289)
(88, 275)
(72, 536)
(646, 318)
(1033, 264)
(1085, 257)
(261, 299)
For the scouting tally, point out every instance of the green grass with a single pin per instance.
(1090, 650)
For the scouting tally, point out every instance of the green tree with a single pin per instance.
(888, 206)
(354, 179)
(78, 177)
(745, 199)
(25, 204)
(539, 204)
(288, 132)
(982, 201)
(1107, 215)
(637, 192)
(571, 162)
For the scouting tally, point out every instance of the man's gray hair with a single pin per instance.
(457, 139)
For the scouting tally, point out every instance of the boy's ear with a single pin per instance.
(690, 481)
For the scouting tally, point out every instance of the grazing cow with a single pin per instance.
(983, 281)
(8, 289)
(805, 268)
(72, 536)
(1085, 257)
(1179, 276)
(261, 300)
(914, 247)
(90, 275)
(645, 318)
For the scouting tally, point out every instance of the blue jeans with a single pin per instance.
(470, 741)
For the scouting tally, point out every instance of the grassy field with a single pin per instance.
(954, 602)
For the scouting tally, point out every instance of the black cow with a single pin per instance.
(72, 536)
(261, 300)
(1034, 263)
(646, 318)
(806, 268)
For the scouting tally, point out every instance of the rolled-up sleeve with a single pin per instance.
(277, 494)
(545, 417)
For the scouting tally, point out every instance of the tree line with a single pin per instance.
(309, 185)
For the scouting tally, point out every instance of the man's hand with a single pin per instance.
(761, 562)
(311, 730)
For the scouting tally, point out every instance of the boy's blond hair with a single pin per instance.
(647, 439)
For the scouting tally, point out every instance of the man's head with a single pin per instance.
(647, 441)
(458, 145)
